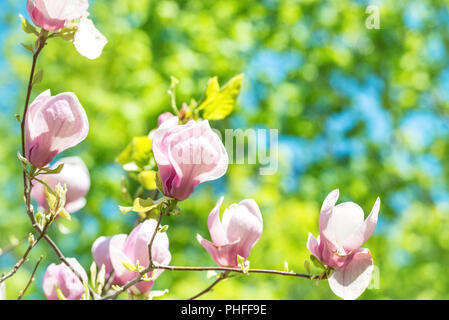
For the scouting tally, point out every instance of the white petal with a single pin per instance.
(351, 281)
(345, 219)
(88, 41)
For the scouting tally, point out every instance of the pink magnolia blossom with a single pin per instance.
(60, 276)
(74, 175)
(53, 124)
(134, 248)
(187, 155)
(343, 231)
(57, 14)
(239, 230)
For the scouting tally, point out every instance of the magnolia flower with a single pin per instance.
(187, 155)
(53, 124)
(74, 175)
(60, 276)
(57, 14)
(239, 230)
(343, 231)
(133, 249)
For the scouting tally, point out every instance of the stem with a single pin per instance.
(31, 279)
(152, 239)
(227, 269)
(222, 276)
(43, 36)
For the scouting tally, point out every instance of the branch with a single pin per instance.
(27, 182)
(227, 269)
(31, 279)
(222, 276)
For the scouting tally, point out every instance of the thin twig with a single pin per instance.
(221, 277)
(31, 279)
(152, 239)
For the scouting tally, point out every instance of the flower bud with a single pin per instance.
(53, 124)
(187, 155)
(133, 249)
(55, 14)
(61, 277)
(234, 236)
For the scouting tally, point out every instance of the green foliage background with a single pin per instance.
(322, 61)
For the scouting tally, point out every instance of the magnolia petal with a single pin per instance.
(325, 214)
(117, 256)
(216, 230)
(225, 256)
(88, 41)
(364, 231)
(313, 245)
(345, 219)
(63, 9)
(100, 252)
(243, 221)
(351, 281)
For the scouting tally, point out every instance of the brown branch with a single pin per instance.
(31, 279)
(221, 277)
(227, 269)
(27, 182)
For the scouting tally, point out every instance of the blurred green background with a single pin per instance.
(365, 111)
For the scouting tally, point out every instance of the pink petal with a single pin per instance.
(216, 230)
(100, 252)
(351, 281)
(313, 245)
(225, 256)
(54, 125)
(116, 247)
(243, 222)
(325, 214)
(63, 9)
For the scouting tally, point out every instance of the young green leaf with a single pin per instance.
(219, 102)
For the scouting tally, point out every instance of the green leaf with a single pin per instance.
(38, 77)
(27, 26)
(147, 179)
(138, 152)
(129, 266)
(317, 263)
(219, 102)
(56, 170)
(307, 266)
(28, 47)
(163, 229)
(140, 206)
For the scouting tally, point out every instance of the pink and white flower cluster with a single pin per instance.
(54, 15)
(343, 231)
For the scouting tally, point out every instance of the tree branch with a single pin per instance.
(31, 279)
